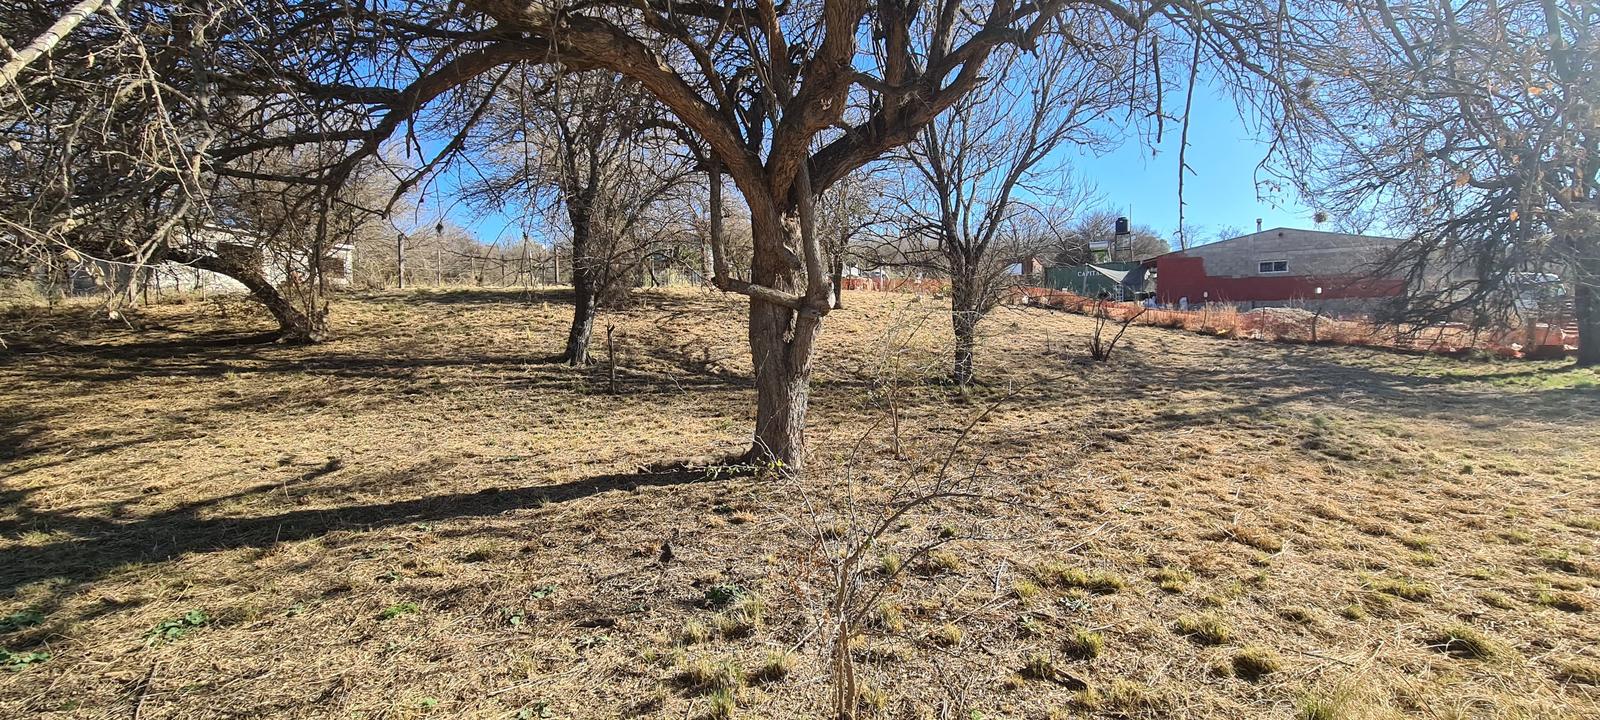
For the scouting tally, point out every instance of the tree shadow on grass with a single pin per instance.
(181, 346)
(98, 545)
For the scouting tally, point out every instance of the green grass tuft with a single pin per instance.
(1058, 575)
(1205, 628)
(1253, 663)
(1464, 641)
(1084, 645)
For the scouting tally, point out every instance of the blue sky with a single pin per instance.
(1221, 190)
(1138, 178)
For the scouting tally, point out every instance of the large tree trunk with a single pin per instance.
(584, 302)
(585, 287)
(1586, 304)
(782, 341)
(246, 265)
(964, 317)
(783, 383)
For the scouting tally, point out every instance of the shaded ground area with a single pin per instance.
(422, 518)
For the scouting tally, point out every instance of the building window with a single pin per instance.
(1274, 266)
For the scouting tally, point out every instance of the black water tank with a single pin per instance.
(1122, 226)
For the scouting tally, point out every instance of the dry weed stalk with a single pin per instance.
(854, 588)
(1099, 347)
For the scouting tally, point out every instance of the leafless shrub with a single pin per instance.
(1100, 346)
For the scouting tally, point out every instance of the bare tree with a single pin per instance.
(109, 150)
(596, 140)
(846, 212)
(785, 99)
(969, 166)
(1469, 128)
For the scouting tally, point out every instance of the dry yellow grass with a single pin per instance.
(420, 518)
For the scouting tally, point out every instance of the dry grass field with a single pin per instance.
(423, 519)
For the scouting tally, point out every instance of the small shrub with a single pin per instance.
(1254, 663)
(722, 595)
(1207, 628)
(397, 610)
(1464, 641)
(16, 661)
(19, 620)
(1084, 645)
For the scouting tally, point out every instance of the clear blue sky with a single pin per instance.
(1221, 192)
(1221, 189)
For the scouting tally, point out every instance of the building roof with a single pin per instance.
(1279, 231)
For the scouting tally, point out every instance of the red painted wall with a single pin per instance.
(1178, 276)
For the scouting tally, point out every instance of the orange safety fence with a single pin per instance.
(1288, 324)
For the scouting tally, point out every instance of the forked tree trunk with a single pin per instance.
(295, 326)
(964, 317)
(782, 341)
(1586, 304)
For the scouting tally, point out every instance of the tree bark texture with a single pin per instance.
(782, 341)
(965, 313)
(586, 281)
(1586, 304)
